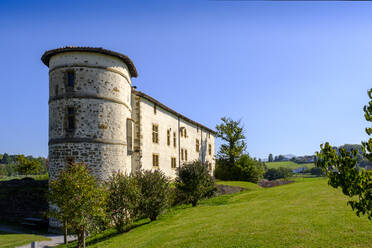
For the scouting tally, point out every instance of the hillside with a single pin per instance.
(308, 213)
(288, 164)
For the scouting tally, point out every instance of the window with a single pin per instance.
(173, 162)
(129, 136)
(209, 135)
(197, 145)
(185, 155)
(155, 134)
(154, 109)
(70, 119)
(168, 137)
(209, 166)
(155, 160)
(174, 139)
(56, 90)
(209, 149)
(70, 79)
(185, 134)
(181, 131)
(181, 153)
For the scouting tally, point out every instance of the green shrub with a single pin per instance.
(316, 171)
(194, 182)
(123, 200)
(281, 172)
(154, 189)
(80, 199)
(245, 169)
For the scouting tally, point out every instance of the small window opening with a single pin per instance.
(70, 118)
(70, 79)
(197, 145)
(155, 160)
(173, 162)
(174, 139)
(154, 109)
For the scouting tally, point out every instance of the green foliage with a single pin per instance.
(194, 182)
(316, 171)
(154, 188)
(231, 132)
(342, 170)
(27, 166)
(80, 200)
(281, 172)
(245, 169)
(270, 158)
(123, 200)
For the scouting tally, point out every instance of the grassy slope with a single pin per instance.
(302, 214)
(12, 240)
(247, 185)
(288, 164)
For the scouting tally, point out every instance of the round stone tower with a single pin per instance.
(89, 109)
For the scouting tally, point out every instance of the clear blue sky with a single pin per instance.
(296, 73)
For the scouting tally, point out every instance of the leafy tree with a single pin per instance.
(5, 159)
(154, 189)
(246, 169)
(123, 200)
(271, 159)
(231, 132)
(194, 182)
(341, 168)
(78, 199)
(26, 166)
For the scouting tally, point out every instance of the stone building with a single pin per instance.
(97, 117)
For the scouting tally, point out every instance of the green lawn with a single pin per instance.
(288, 164)
(246, 185)
(12, 240)
(303, 214)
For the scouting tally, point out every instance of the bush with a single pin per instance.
(194, 182)
(78, 199)
(245, 169)
(154, 191)
(316, 171)
(123, 200)
(281, 172)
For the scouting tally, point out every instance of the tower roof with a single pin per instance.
(48, 54)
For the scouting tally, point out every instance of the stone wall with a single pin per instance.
(101, 102)
(21, 199)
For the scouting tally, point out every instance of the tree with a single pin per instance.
(232, 133)
(26, 166)
(5, 159)
(123, 200)
(271, 159)
(341, 168)
(194, 182)
(154, 190)
(79, 201)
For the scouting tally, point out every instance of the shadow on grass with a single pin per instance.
(108, 234)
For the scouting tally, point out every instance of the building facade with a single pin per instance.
(97, 117)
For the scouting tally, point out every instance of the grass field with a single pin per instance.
(308, 213)
(12, 240)
(288, 164)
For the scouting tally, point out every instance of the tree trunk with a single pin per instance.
(83, 237)
(65, 232)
